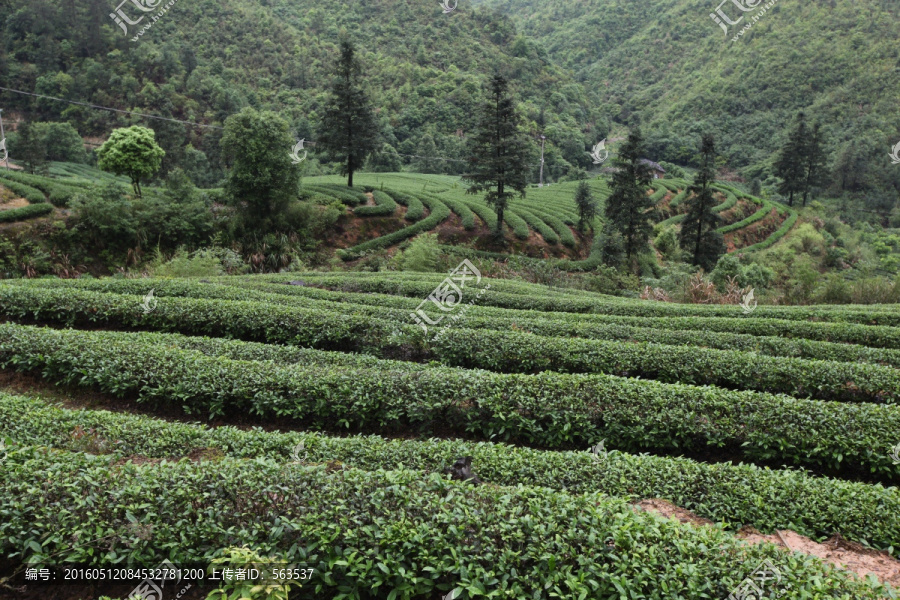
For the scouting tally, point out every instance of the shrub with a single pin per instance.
(422, 254)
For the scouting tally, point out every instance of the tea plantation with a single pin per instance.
(308, 417)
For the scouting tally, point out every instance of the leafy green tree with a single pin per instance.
(133, 152)
(349, 131)
(262, 180)
(791, 164)
(698, 230)
(628, 208)
(587, 206)
(815, 162)
(385, 160)
(426, 152)
(61, 141)
(30, 148)
(499, 152)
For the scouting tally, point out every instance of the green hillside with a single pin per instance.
(671, 64)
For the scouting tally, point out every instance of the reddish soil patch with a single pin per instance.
(837, 551)
(755, 232)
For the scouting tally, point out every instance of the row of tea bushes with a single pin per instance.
(525, 543)
(549, 409)
(724, 493)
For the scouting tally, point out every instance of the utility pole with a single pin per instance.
(3, 139)
(541, 184)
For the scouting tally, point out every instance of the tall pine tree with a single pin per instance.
(815, 162)
(349, 131)
(499, 152)
(587, 206)
(698, 230)
(791, 164)
(628, 208)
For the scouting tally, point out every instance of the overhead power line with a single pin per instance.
(145, 115)
(98, 107)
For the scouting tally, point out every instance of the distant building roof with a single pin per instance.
(651, 164)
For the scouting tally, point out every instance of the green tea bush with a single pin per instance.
(26, 212)
(547, 409)
(722, 492)
(583, 545)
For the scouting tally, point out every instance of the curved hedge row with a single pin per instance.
(345, 195)
(679, 198)
(551, 410)
(384, 206)
(33, 195)
(517, 352)
(659, 193)
(484, 212)
(465, 214)
(597, 546)
(26, 212)
(57, 192)
(438, 212)
(777, 235)
(812, 506)
(759, 215)
(559, 225)
(600, 306)
(415, 208)
(730, 201)
(517, 224)
(538, 225)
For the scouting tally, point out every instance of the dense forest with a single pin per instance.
(581, 69)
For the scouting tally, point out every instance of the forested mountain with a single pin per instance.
(205, 59)
(579, 67)
(670, 64)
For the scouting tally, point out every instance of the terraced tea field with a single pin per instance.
(546, 214)
(331, 415)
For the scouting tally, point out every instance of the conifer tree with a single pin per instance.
(628, 208)
(698, 230)
(349, 131)
(815, 162)
(499, 152)
(587, 206)
(791, 164)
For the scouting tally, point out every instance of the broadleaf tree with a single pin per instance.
(499, 153)
(349, 131)
(133, 152)
(262, 180)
